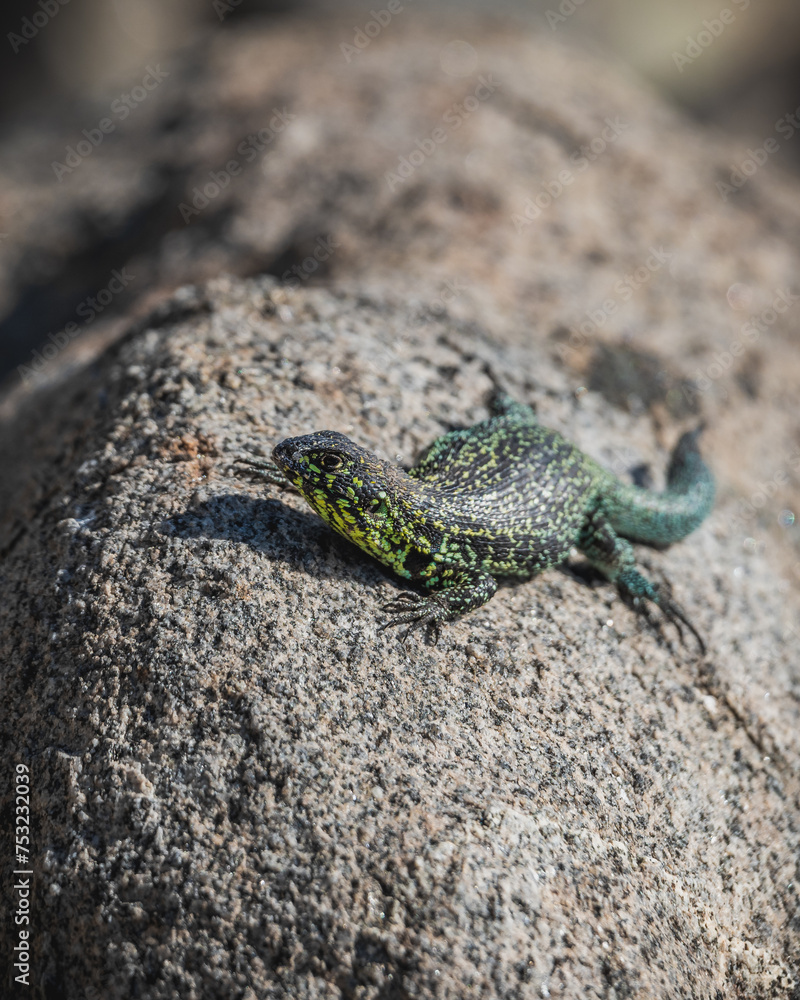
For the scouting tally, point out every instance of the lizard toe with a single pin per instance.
(675, 614)
(403, 602)
(262, 468)
(415, 611)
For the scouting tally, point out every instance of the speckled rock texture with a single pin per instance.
(244, 788)
(241, 787)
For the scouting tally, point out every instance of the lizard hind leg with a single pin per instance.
(615, 558)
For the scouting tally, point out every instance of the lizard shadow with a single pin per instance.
(275, 530)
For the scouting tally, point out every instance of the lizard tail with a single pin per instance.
(663, 518)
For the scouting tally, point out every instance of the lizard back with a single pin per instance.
(516, 492)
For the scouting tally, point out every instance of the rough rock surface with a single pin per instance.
(241, 787)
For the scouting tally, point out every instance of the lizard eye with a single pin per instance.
(330, 463)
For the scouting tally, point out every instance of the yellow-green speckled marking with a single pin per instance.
(505, 498)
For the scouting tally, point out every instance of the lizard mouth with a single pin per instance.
(285, 456)
(281, 455)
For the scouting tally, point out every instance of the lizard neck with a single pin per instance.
(423, 512)
(414, 507)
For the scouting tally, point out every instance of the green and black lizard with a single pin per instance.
(504, 498)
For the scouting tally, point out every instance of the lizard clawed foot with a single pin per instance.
(674, 613)
(635, 586)
(415, 611)
(264, 469)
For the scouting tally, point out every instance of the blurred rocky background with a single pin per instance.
(749, 77)
(70, 63)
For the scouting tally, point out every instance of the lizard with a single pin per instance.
(505, 498)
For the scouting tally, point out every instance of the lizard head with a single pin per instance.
(352, 489)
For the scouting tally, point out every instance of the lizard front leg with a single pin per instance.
(266, 470)
(429, 611)
(615, 558)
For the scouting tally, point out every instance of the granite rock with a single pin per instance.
(241, 787)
